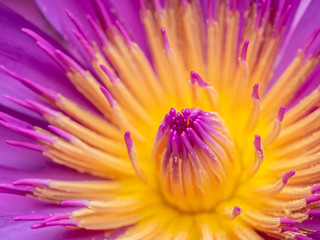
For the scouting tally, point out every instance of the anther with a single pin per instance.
(124, 33)
(244, 51)
(165, 40)
(133, 157)
(86, 45)
(109, 74)
(75, 203)
(282, 21)
(61, 133)
(27, 145)
(259, 156)
(77, 24)
(99, 32)
(32, 85)
(275, 132)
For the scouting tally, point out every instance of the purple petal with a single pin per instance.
(57, 17)
(127, 12)
(19, 53)
(312, 82)
(30, 11)
(299, 33)
(313, 224)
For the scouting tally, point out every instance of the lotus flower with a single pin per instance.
(160, 120)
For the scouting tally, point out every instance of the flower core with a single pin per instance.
(193, 153)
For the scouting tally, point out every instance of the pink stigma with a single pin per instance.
(180, 122)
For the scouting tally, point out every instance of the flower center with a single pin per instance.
(193, 154)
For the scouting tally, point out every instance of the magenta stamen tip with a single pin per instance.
(257, 142)
(42, 109)
(255, 92)
(61, 133)
(32, 34)
(165, 40)
(287, 221)
(236, 211)
(68, 13)
(30, 217)
(311, 40)
(10, 126)
(286, 176)
(110, 75)
(196, 78)
(20, 190)
(290, 228)
(315, 188)
(56, 217)
(75, 203)
(260, 14)
(77, 24)
(86, 45)
(106, 21)
(281, 113)
(31, 84)
(128, 141)
(10, 73)
(37, 135)
(193, 77)
(313, 198)
(108, 96)
(68, 222)
(9, 119)
(32, 182)
(161, 131)
(69, 62)
(282, 21)
(244, 51)
(51, 53)
(19, 102)
(124, 33)
(40, 89)
(98, 31)
(314, 213)
(32, 146)
(37, 225)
